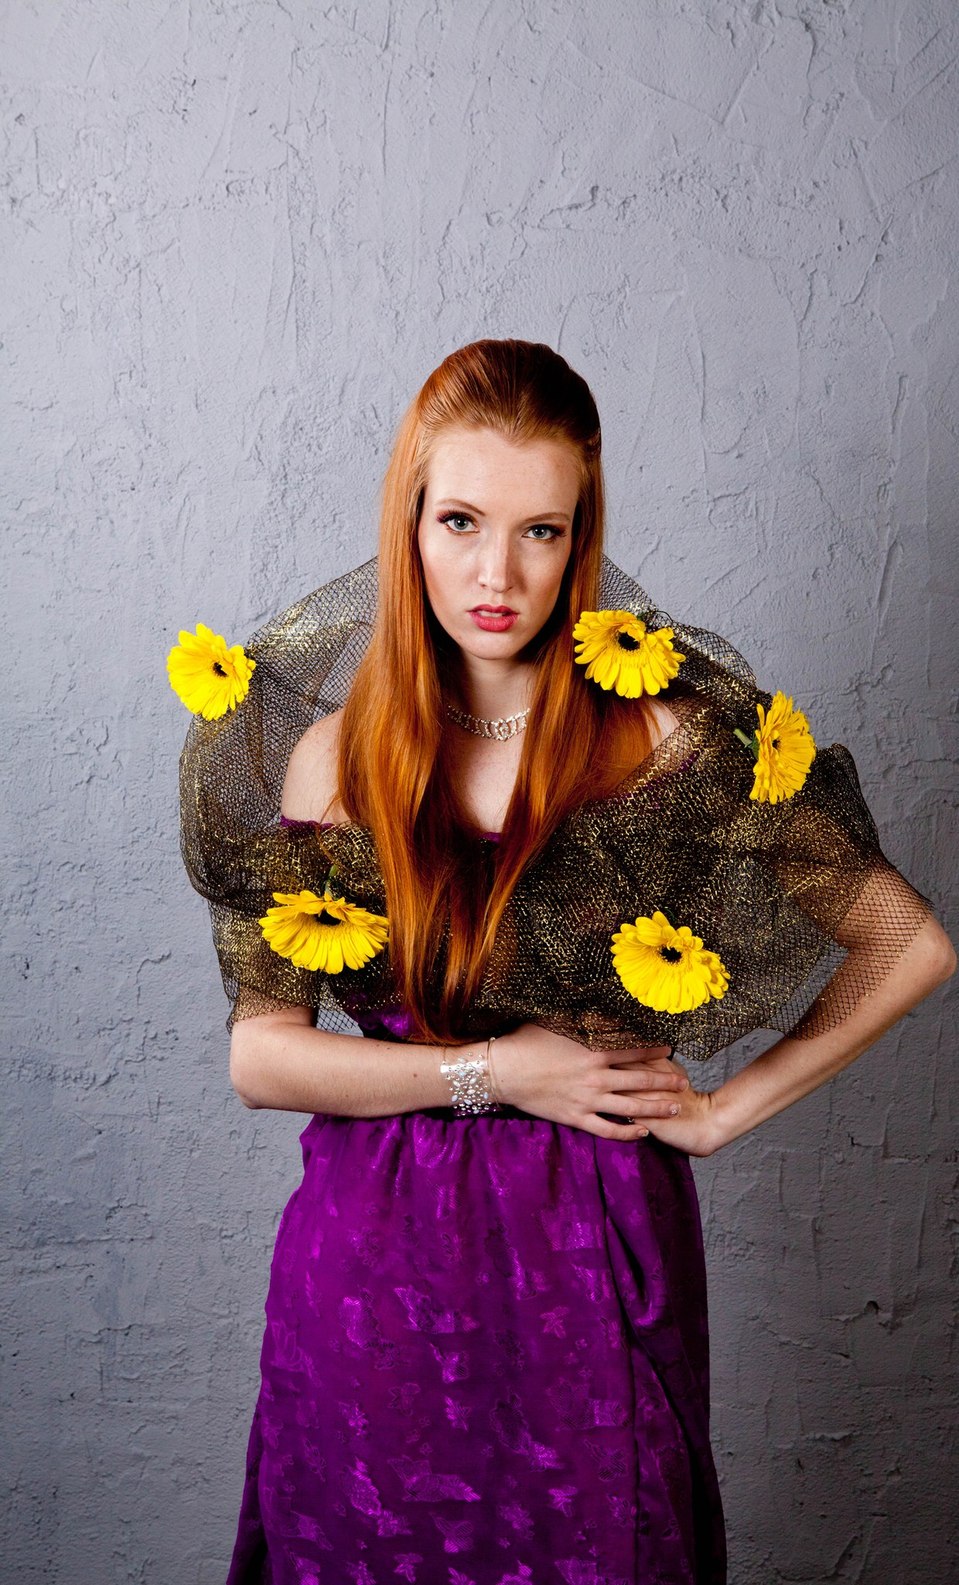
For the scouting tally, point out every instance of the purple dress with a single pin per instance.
(485, 1361)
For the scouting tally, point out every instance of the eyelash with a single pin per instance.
(464, 517)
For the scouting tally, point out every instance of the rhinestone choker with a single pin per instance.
(502, 727)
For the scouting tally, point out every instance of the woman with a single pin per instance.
(486, 1352)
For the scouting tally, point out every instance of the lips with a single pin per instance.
(494, 618)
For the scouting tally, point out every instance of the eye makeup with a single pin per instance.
(555, 532)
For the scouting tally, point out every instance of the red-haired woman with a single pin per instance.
(486, 1353)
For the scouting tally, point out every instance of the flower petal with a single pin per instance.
(323, 932)
(620, 652)
(676, 983)
(206, 676)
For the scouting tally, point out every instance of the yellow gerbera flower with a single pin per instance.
(619, 652)
(666, 969)
(323, 932)
(784, 750)
(209, 677)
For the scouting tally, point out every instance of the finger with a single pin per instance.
(656, 1056)
(607, 1128)
(641, 1054)
(644, 1079)
(648, 1102)
(640, 1105)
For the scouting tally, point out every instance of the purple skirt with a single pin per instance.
(485, 1363)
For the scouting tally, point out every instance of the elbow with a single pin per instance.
(939, 962)
(945, 966)
(242, 1067)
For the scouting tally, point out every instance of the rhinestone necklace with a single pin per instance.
(501, 727)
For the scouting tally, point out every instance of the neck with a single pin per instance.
(491, 689)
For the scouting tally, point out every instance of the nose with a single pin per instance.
(496, 564)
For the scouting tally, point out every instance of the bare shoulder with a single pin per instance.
(309, 788)
(663, 721)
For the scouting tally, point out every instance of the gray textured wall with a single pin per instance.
(236, 237)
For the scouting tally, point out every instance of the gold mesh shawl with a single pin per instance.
(797, 898)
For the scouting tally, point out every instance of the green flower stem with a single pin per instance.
(752, 743)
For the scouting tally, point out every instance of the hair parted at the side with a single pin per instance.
(393, 772)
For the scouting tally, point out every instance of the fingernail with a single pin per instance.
(684, 1084)
(643, 1133)
(673, 1110)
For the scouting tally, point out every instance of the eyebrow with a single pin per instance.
(465, 505)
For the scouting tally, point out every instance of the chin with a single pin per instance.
(483, 645)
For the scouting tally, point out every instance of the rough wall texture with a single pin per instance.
(236, 238)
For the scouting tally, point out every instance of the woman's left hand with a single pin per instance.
(693, 1129)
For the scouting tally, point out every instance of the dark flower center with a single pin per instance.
(775, 742)
(324, 918)
(627, 641)
(218, 669)
(670, 954)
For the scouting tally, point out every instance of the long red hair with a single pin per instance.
(394, 774)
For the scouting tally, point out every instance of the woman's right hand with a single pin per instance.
(556, 1078)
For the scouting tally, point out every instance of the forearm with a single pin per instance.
(795, 1067)
(296, 1068)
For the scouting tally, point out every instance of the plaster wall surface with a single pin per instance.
(236, 238)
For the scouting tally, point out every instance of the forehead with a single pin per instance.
(486, 463)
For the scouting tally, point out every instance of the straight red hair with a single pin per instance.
(394, 774)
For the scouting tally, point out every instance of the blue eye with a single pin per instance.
(552, 532)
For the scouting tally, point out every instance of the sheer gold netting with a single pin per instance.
(840, 878)
(804, 910)
(797, 898)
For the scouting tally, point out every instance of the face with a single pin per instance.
(495, 534)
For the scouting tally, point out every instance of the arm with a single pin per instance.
(279, 1060)
(794, 1067)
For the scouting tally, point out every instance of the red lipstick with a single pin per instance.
(494, 618)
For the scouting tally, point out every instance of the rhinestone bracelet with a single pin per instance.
(470, 1083)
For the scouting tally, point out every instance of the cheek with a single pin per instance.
(443, 561)
(427, 550)
(552, 580)
(436, 570)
